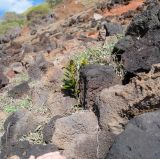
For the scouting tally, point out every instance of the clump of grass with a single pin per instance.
(35, 137)
(69, 81)
(37, 11)
(22, 77)
(11, 105)
(44, 7)
(7, 25)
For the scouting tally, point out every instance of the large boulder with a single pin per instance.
(94, 78)
(147, 20)
(139, 50)
(118, 104)
(140, 140)
(80, 136)
(88, 146)
(68, 128)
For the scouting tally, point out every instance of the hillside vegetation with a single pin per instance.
(81, 77)
(12, 20)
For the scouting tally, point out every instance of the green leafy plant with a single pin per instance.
(69, 81)
(7, 25)
(89, 56)
(35, 13)
(10, 21)
(10, 106)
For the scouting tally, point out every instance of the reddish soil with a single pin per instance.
(68, 8)
(120, 9)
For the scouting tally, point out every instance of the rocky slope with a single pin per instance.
(118, 116)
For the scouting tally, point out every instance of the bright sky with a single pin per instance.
(18, 6)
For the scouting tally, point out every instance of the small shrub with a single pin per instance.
(7, 25)
(11, 106)
(37, 11)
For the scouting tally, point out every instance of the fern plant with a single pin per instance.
(69, 80)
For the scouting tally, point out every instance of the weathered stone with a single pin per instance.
(94, 78)
(68, 128)
(147, 20)
(59, 104)
(39, 97)
(117, 104)
(17, 67)
(19, 90)
(112, 28)
(139, 55)
(88, 146)
(34, 72)
(139, 51)
(140, 140)
(49, 129)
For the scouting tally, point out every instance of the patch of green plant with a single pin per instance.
(35, 137)
(11, 20)
(11, 106)
(69, 81)
(7, 25)
(96, 55)
(37, 11)
(22, 77)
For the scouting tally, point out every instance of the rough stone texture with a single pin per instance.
(117, 103)
(140, 48)
(39, 97)
(3, 80)
(84, 146)
(59, 104)
(17, 67)
(139, 55)
(24, 150)
(109, 4)
(112, 28)
(140, 140)
(94, 78)
(19, 90)
(147, 20)
(37, 65)
(68, 128)
(88, 146)
(11, 53)
(49, 129)
(19, 124)
(34, 72)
